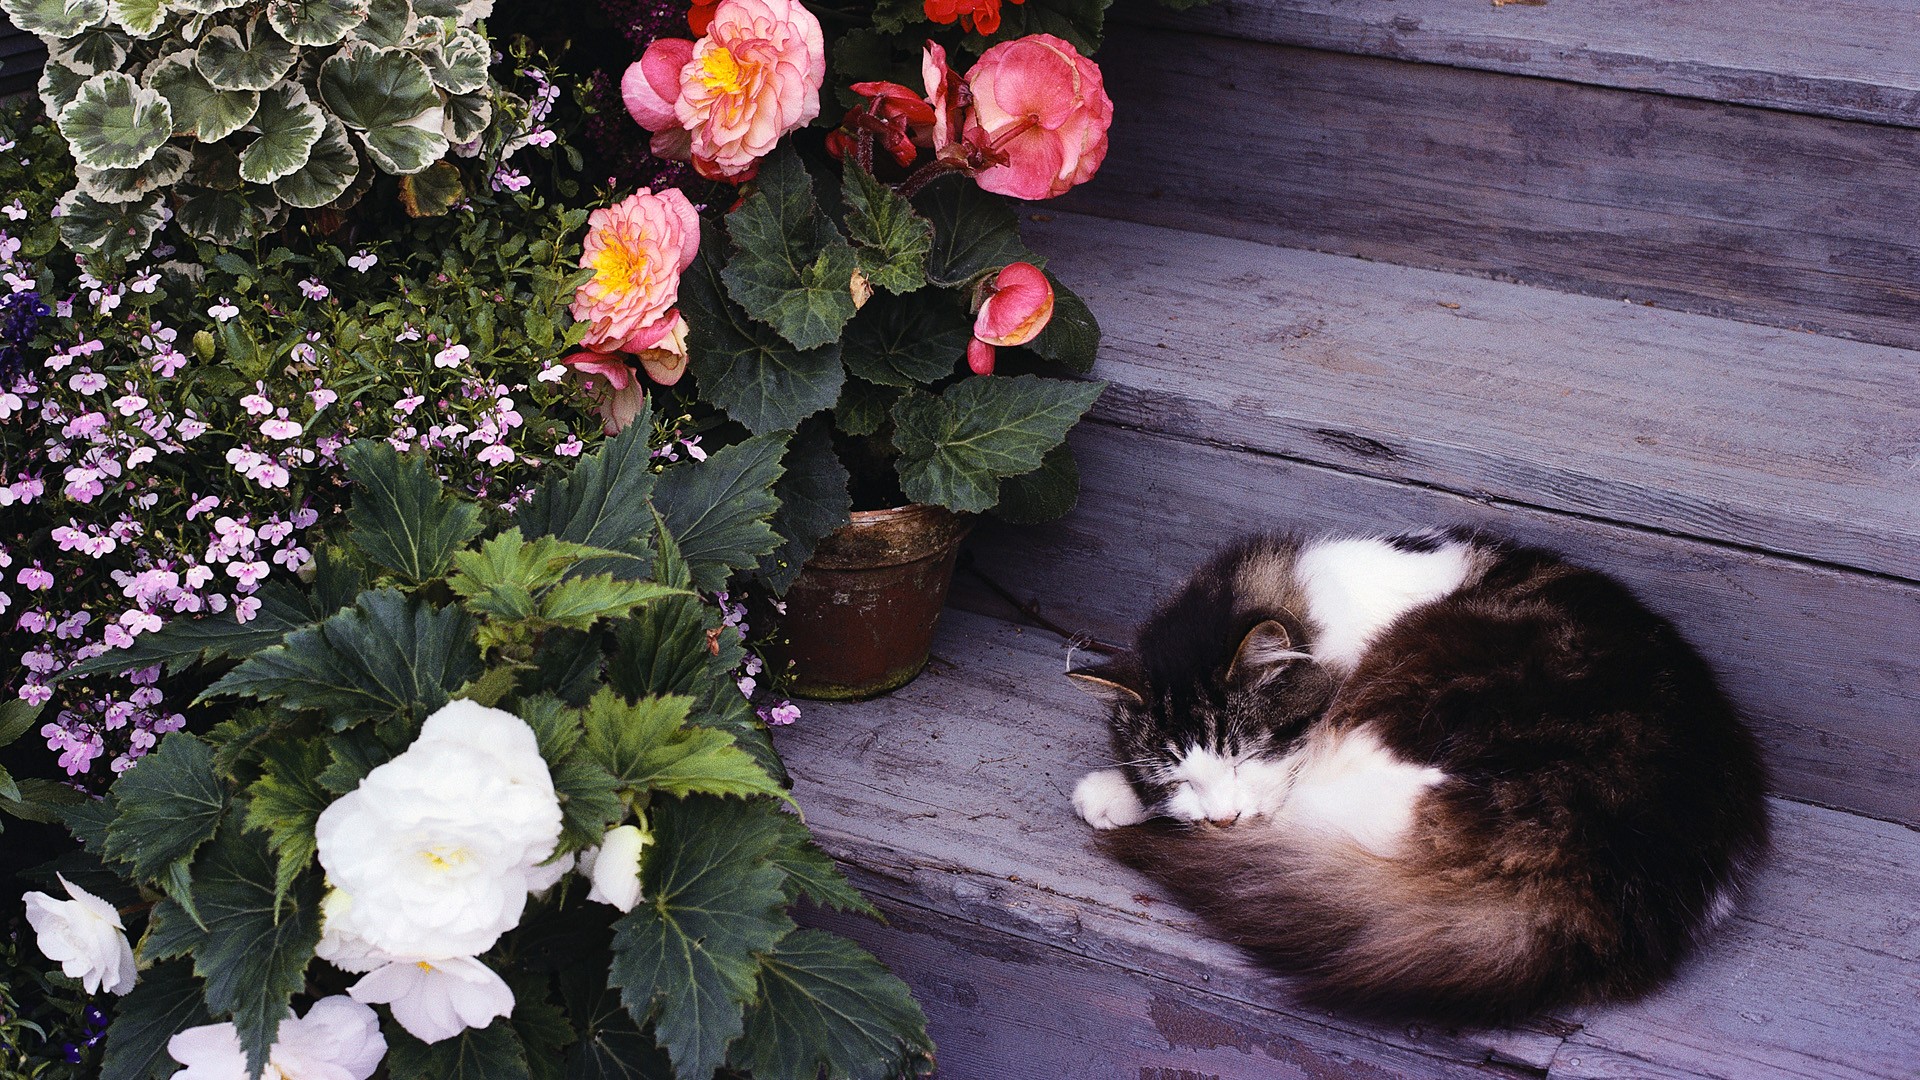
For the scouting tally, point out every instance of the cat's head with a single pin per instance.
(1206, 747)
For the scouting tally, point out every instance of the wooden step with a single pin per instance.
(1037, 959)
(1780, 218)
(1853, 59)
(1756, 485)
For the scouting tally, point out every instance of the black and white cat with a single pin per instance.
(1436, 774)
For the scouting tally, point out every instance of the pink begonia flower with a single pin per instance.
(619, 395)
(637, 249)
(1014, 313)
(752, 78)
(1043, 105)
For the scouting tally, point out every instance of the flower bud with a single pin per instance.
(616, 867)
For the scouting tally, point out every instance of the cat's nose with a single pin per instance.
(1225, 819)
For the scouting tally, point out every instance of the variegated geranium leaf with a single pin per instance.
(115, 123)
(111, 231)
(459, 64)
(199, 110)
(54, 19)
(316, 22)
(330, 170)
(225, 217)
(289, 124)
(437, 9)
(141, 18)
(433, 191)
(216, 167)
(253, 59)
(387, 96)
(59, 85)
(94, 51)
(467, 117)
(130, 185)
(407, 148)
(207, 7)
(389, 22)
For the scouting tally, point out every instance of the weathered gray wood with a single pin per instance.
(1772, 217)
(1705, 427)
(951, 798)
(1821, 661)
(1003, 1007)
(1858, 59)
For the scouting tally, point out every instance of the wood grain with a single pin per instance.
(1857, 59)
(1771, 217)
(1704, 427)
(1821, 661)
(950, 798)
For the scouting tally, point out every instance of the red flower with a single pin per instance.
(700, 16)
(898, 117)
(1018, 304)
(982, 16)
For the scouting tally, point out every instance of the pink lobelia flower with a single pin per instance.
(637, 249)
(752, 78)
(1014, 313)
(1044, 106)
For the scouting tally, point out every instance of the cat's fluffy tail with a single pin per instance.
(1360, 932)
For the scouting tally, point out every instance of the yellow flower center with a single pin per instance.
(444, 860)
(617, 268)
(723, 73)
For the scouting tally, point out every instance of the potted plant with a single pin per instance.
(867, 291)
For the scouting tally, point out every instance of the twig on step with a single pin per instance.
(1078, 639)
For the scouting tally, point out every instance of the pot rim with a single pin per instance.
(890, 537)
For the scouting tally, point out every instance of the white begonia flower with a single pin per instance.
(338, 1039)
(85, 937)
(439, 847)
(437, 999)
(615, 867)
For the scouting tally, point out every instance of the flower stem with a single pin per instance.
(924, 175)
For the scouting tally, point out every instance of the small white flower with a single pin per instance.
(363, 262)
(450, 356)
(437, 999)
(615, 867)
(85, 937)
(338, 1039)
(223, 310)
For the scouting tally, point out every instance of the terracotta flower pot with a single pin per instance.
(860, 617)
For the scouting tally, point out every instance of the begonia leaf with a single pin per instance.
(744, 366)
(602, 500)
(390, 655)
(286, 802)
(494, 1052)
(720, 510)
(166, 1000)
(863, 408)
(974, 231)
(686, 958)
(790, 269)
(956, 448)
(167, 807)
(611, 1046)
(402, 516)
(826, 1005)
(811, 873)
(1044, 494)
(1080, 22)
(892, 239)
(814, 501)
(908, 340)
(649, 746)
(1072, 335)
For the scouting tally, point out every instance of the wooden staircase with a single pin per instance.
(1633, 279)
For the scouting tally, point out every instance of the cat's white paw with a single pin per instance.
(1107, 801)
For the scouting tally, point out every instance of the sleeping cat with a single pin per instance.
(1437, 774)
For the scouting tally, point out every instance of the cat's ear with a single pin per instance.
(1263, 654)
(1110, 684)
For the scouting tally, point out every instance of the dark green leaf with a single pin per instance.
(824, 1003)
(611, 1046)
(402, 517)
(893, 240)
(974, 231)
(956, 448)
(494, 1052)
(354, 755)
(863, 407)
(909, 340)
(744, 367)
(1072, 336)
(255, 954)
(648, 745)
(1044, 494)
(720, 510)
(167, 807)
(387, 656)
(686, 957)
(589, 802)
(286, 802)
(567, 665)
(810, 873)
(791, 269)
(813, 502)
(1080, 22)
(541, 1025)
(602, 500)
(166, 1001)
(181, 643)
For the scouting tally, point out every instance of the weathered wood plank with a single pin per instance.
(1822, 661)
(1699, 426)
(1856, 59)
(1771, 217)
(951, 798)
(1003, 1007)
